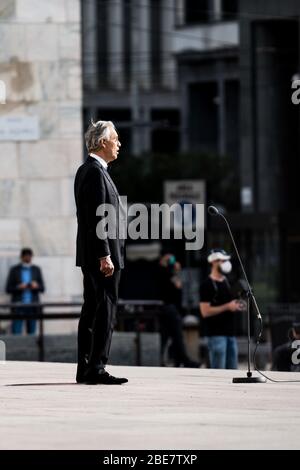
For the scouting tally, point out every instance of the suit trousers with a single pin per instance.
(98, 316)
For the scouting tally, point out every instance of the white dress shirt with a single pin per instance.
(100, 160)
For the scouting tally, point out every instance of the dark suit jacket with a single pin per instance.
(94, 186)
(14, 279)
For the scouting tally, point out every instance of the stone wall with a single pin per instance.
(40, 64)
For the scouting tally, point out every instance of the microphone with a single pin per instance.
(212, 210)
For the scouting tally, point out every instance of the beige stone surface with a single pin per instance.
(69, 41)
(44, 198)
(70, 119)
(43, 41)
(64, 279)
(52, 236)
(12, 38)
(10, 230)
(72, 11)
(53, 11)
(41, 407)
(13, 198)
(40, 63)
(42, 160)
(9, 161)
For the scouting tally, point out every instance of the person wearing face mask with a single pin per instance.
(218, 309)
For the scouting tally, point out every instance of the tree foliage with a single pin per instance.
(141, 178)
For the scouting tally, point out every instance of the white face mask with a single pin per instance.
(226, 267)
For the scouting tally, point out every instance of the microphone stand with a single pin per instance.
(250, 299)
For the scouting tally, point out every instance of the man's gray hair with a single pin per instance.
(96, 132)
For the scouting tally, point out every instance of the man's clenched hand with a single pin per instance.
(106, 266)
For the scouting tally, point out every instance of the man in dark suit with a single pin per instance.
(24, 283)
(100, 255)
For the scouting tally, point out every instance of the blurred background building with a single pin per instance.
(211, 77)
(129, 70)
(198, 90)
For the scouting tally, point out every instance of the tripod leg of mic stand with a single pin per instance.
(248, 380)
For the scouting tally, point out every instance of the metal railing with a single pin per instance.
(138, 310)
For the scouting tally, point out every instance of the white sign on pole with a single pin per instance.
(19, 128)
(185, 192)
(246, 196)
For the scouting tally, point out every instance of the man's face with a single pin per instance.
(217, 264)
(110, 149)
(220, 262)
(26, 258)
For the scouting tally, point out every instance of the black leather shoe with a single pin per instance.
(81, 370)
(192, 364)
(187, 362)
(79, 378)
(104, 378)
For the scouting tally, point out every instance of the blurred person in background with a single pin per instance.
(283, 354)
(25, 283)
(218, 309)
(170, 285)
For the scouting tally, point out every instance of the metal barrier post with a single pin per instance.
(40, 341)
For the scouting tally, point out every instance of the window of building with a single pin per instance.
(127, 40)
(203, 117)
(165, 131)
(122, 120)
(229, 9)
(156, 46)
(102, 43)
(198, 12)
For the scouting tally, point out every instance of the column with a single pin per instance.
(217, 8)
(89, 53)
(168, 27)
(142, 53)
(115, 44)
(140, 70)
(179, 13)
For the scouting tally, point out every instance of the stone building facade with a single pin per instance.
(40, 138)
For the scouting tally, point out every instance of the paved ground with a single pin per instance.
(160, 408)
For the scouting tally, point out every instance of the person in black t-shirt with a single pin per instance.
(218, 308)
